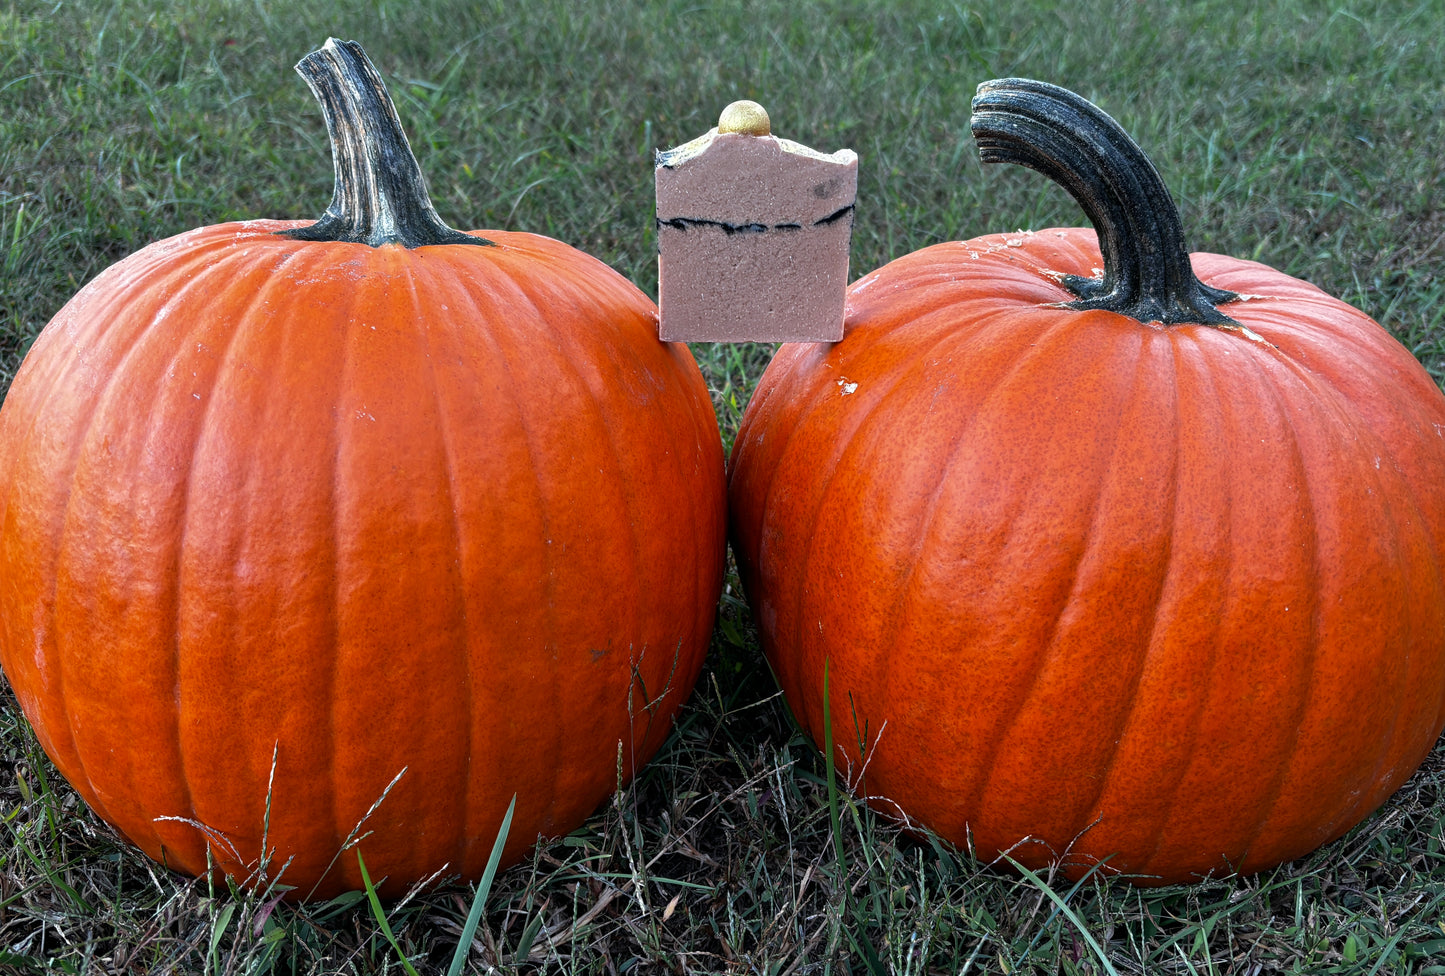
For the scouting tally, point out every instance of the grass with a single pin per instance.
(1307, 135)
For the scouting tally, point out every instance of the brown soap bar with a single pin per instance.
(752, 235)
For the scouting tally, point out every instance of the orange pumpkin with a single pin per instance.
(310, 533)
(1138, 567)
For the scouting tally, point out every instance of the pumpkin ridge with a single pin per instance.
(897, 613)
(1093, 811)
(882, 680)
(329, 775)
(765, 511)
(140, 322)
(1438, 565)
(1268, 803)
(50, 384)
(1155, 842)
(518, 298)
(607, 434)
(1327, 397)
(328, 606)
(275, 409)
(219, 270)
(1326, 322)
(459, 550)
(1389, 740)
(1350, 415)
(56, 693)
(881, 677)
(365, 763)
(601, 416)
(1090, 542)
(481, 301)
(654, 696)
(847, 440)
(1229, 423)
(465, 300)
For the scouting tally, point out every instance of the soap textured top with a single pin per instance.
(750, 179)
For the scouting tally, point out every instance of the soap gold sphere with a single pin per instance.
(748, 118)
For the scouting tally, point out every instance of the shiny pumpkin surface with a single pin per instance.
(283, 521)
(1089, 588)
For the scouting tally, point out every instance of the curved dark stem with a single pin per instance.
(1147, 271)
(380, 195)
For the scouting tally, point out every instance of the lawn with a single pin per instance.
(1306, 135)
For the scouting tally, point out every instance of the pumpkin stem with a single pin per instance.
(1147, 271)
(380, 195)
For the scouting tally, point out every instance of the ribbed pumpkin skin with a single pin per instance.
(1166, 595)
(447, 510)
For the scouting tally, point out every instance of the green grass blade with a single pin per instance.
(371, 896)
(1097, 867)
(484, 886)
(528, 939)
(1068, 913)
(218, 932)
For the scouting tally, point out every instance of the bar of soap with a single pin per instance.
(752, 235)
